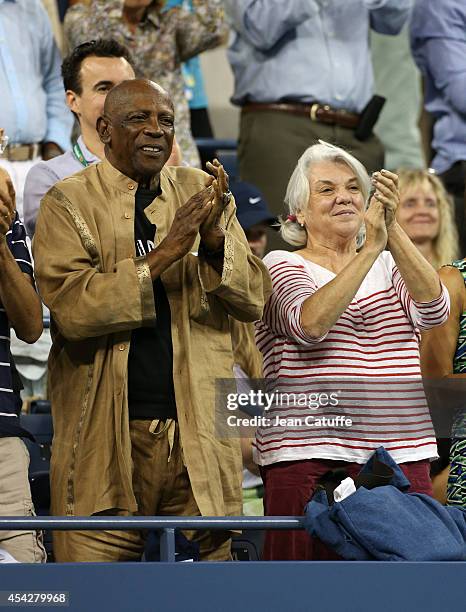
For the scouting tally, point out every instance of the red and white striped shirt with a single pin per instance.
(357, 387)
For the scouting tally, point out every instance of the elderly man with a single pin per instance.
(20, 309)
(139, 340)
(89, 73)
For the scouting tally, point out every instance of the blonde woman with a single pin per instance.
(425, 213)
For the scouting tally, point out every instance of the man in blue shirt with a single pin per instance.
(20, 308)
(438, 43)
(33, 112)
(302, 72)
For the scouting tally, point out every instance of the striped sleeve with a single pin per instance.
(423, 315)
(16, 240)
(292, 285)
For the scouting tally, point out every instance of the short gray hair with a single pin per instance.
(298, 191)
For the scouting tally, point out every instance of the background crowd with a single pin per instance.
(384, 81)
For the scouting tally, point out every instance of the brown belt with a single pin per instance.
(315, 111)
(20, 152)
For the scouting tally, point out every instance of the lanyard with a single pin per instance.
(79, 155)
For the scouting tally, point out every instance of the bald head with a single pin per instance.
(137, 128)
(120, 96)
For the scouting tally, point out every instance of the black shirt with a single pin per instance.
(151, 394)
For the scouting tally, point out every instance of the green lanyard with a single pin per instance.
(79, 155)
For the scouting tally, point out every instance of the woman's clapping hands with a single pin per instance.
(386, 192)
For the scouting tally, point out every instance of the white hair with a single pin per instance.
(298, 191)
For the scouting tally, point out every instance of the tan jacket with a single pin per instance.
(97, 292)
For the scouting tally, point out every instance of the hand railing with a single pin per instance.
(165, 524)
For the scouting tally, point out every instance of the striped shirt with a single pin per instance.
(357, 387)
(9, 401)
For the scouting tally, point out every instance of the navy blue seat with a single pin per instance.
(248, 545)
(224, 150)
(41, 427)
(40, 407)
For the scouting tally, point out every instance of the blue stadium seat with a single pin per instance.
(40, 407)
(248, 545)
(40, 491)
(41, 427)
(225, 151)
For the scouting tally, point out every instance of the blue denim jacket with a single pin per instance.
(388, 524)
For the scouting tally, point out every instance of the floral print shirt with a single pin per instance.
(159, 45)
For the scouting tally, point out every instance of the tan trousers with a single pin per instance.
(15, 500)
(161, 486)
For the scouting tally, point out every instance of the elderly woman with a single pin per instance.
(339, 337)
(426, 215)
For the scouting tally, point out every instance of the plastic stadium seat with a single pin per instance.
(229, 161)
(40, 491)
(248, 545)
(41, 427)
(40, 407)
(225, 150)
